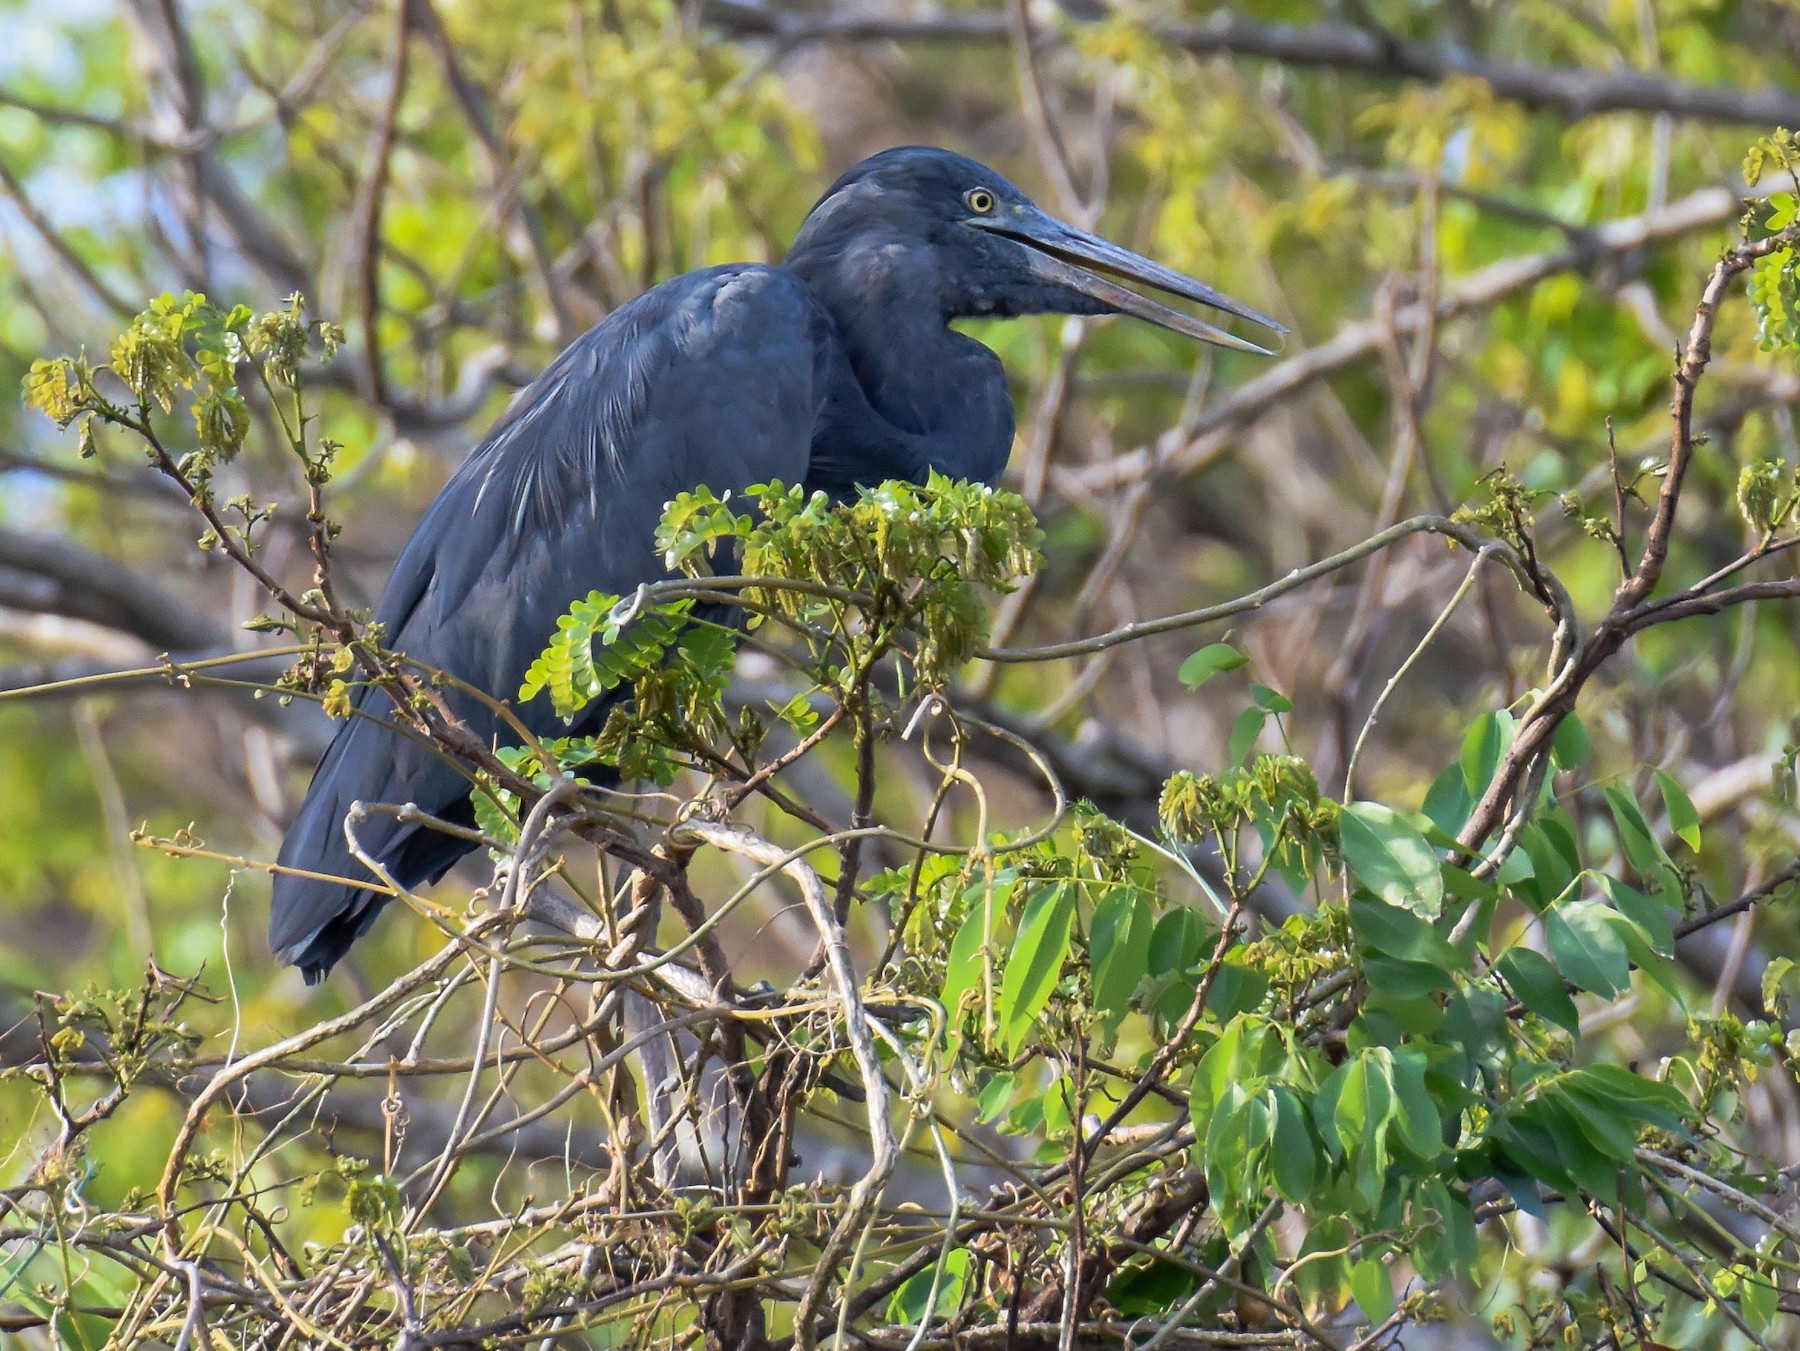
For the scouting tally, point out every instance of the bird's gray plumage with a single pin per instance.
(835, 369)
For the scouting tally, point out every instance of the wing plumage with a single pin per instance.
(713, 378)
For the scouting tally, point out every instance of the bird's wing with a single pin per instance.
(713, 378)
(709, 379)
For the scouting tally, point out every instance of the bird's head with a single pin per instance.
(928, 222)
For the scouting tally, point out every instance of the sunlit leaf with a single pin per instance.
(1035, 961)
(1390, 857)
(1208, 662)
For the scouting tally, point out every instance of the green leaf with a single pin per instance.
(1240, 1057)
(1365, 1100)
(1648, 913)
(1587, 947)
(1178, 941)
(1775, 975)
(1570, 745)
(1119, 946)
(1272, 700)
(1421, 1126)
(1209, 661)
(1648, 1100)
(1540, 988)
(1636, 839)
(1390, 931)
(1238, 987)
(1552, 870)
(1684, 820)
(1322, 1272)
(908, 1304)
(1244, 732)
(1362, 1108)
(592, 653)
(1391, 858)
(1036, 961)
(1149, 1287)
(1483, 745)
(1447, 802)
(1372, 1288)
(962, 972)
(994, 1096)
(1759, 1302)
(1294, 1156)
(1181, 939)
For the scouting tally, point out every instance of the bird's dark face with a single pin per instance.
(929, 222)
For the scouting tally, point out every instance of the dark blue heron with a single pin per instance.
(837, 368)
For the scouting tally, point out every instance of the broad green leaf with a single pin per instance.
(1684, 820)
(1026, 1116)
(1119, 946)
(1650, 1100)
(1324, 1274)
(1446, 1239)
(1483, 745)
(1243, 1055)
(1390, 857)
(1420, 1124)
(1475, 1023)
(1540, 988)
(1244, 732)
(1226, 1148)
(1391, 931)
(908, 1304)
(1238, 987)
(1759, 1302)
(1177, 945)
(1447, 802)
(1648, 913)
(1372, 1288)
(1294, 1157)
(1636, 839)
(1178, 941)
(1607, 1127)
(1516, 869)
(963, 970)
(1271, 700)
(1551, 868)
(1775, 975)
(1365, 1101)
(1570, 745)
(1036, 961)
(1209, 661)
(1587, 947)
(994, 1096)
(1393, 981)
(1149, 1286)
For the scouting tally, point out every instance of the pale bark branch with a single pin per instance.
(1569, 91)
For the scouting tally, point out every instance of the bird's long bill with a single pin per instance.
(1076, 259)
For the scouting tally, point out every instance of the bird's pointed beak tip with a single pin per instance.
(1087, 263)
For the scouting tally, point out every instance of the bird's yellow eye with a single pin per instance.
(980, 200)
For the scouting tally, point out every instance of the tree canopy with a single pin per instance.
(1306, 862)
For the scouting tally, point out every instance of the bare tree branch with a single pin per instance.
(1214, 429)
(1573, 93)
(52, 576)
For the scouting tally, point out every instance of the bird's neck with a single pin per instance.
(925, 396)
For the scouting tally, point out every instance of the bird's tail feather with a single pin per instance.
(314, 920)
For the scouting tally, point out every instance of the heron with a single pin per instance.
(838, 368)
